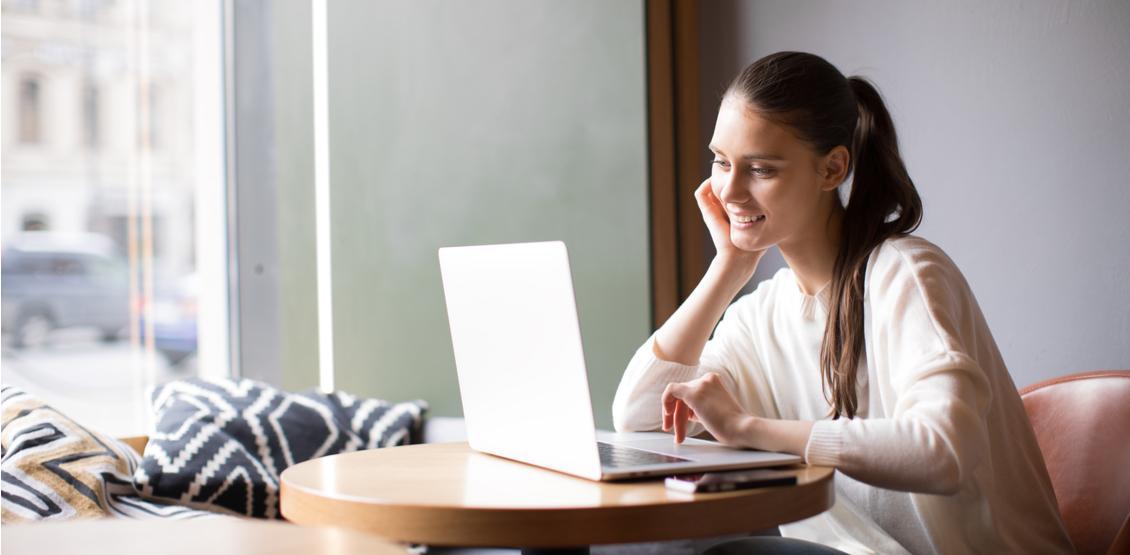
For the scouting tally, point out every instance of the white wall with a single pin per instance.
(1014, 121)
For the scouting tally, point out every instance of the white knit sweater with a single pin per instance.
(940, 458)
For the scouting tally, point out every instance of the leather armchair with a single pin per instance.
(1082, 423)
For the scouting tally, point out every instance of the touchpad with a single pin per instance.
(690, 449)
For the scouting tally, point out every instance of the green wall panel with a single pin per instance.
(456, 123)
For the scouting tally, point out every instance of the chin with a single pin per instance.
(748, 245)
(747, 241)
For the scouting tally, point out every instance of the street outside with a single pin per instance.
(102, 385)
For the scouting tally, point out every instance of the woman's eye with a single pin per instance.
(762, 172)
(721, 163)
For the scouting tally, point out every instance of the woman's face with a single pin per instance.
(774, 188)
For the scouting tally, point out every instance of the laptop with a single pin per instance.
(522, 375)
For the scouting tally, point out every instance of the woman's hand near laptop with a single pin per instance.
(683, 336)
(706, 401)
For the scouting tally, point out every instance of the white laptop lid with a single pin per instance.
(518, 354)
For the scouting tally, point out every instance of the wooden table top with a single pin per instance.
(198, 536)
(447, 494)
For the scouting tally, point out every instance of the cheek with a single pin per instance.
(791, 203)
(775, 196)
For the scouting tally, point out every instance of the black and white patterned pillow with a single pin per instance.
(54, 468)
(222, 444)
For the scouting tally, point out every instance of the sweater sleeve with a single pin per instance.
(729, 353)
(923, 326)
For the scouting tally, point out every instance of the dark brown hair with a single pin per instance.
(827, 110)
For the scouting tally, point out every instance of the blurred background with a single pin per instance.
(113, 138)
(157, 196)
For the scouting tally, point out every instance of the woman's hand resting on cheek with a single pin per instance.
(707, 401)
(718, 223)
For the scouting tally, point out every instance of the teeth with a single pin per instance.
(748, 219)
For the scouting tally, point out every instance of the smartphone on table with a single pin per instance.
(708, 482)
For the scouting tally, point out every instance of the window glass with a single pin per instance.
(29, 109)
(494, 122)
(91, 114)
(116, 144)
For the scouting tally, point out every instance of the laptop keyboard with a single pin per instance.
(616, 456)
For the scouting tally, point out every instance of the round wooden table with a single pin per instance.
(446, 494)
(199, 536)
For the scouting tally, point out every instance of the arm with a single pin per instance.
(708, 401)
(730, 356)
(674, 352)
(933, 434)
(683, 335)
(931, 443)
(923, 332)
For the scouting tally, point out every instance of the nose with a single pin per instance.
(729, 191)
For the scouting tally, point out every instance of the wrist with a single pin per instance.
(739, 259)
(736, 269)
(746, 430)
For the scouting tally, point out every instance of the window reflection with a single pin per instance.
(101, 171)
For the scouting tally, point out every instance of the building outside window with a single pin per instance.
(109, 277)
(29, 110)
(91, 116)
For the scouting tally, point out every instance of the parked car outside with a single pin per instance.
(174, 320)
(55, 280)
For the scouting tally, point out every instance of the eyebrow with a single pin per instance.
(756, 156)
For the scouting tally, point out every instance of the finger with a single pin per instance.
(669, 400)
(667, 405)
(705, 193)
(703, 189)
(680, 417)
(705, 196)
(715, 206)
(710, 205)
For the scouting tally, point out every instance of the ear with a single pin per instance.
(834, 167)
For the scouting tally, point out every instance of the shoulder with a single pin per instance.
(910, 279)
(912, 261)
(908, 249)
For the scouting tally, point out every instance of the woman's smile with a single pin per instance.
(746, 221)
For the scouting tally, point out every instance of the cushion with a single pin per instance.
(55, 469)
(221, 444)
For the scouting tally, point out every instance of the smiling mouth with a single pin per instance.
(748, 219)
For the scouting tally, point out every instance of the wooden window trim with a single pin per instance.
(675, 159)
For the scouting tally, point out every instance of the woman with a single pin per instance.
(868, 353)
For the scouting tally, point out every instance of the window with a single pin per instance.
(148, 127)
(29, 110)
(18, 6)
(90, 116)
(111, 283)
(34, 221)
(154, 121)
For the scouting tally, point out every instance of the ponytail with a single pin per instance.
(881, 188)
(810, 95)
